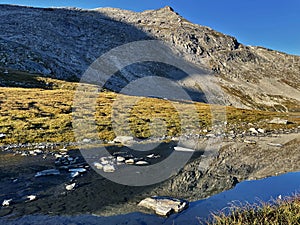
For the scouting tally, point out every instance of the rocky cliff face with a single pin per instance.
(62, 43)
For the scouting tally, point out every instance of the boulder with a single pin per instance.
(164, 206)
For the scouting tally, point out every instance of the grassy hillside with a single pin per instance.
(34, 108)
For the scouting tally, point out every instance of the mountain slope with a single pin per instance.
(62, 43)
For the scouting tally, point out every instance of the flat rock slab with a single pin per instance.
(164, 206)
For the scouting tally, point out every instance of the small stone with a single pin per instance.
(141, 163)
(99, 166)
(253, 130)
(47, 173)
(70, 187)
(79, 170)
(120, 159)
(6, 202)
(31, 197)
(129, 161)
(109, 168)
(123, 139)
(250, 142)
(75, 174)
(279, 121)
(275, 144)
(260, 130)
(182, 149)
(152, 156)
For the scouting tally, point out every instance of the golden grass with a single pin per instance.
(45, 114)
(280, 212)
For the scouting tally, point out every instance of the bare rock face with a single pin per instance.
(62, 43)
(164, 206)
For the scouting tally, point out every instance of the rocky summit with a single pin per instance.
(63, 42)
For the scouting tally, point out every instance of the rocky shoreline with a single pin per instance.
(75, 188)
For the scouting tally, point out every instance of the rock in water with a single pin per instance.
(6, 202)
(70, 187)
(164, 206)
(31, 198)
(47, 173)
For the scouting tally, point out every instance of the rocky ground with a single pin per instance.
(241, 157)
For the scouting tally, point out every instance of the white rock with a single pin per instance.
(141, 163)
(260, 130)
(129, 161)
(109, 168)
(120, 159)
(275, 144)
(152, 156)
(70, 187)
(31, 197)
(32, 152)
(164, 206)
(6, 202)
(250, 142)
(75, 174)
(47, 173)
(279, 121)
(58, 156)
(253, 130)
(24, 154)
(99, 166)
(79, 170)
(182, 149)
(38, 151)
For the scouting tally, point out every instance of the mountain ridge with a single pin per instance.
(62, 43)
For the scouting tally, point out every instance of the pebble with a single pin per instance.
(31, 197)
(141, 163)
(70, 187)
(129, 161)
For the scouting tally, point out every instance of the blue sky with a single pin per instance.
(273, 24)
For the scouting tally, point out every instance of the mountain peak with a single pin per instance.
(169, 8)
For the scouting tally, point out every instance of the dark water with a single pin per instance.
(247, 191)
